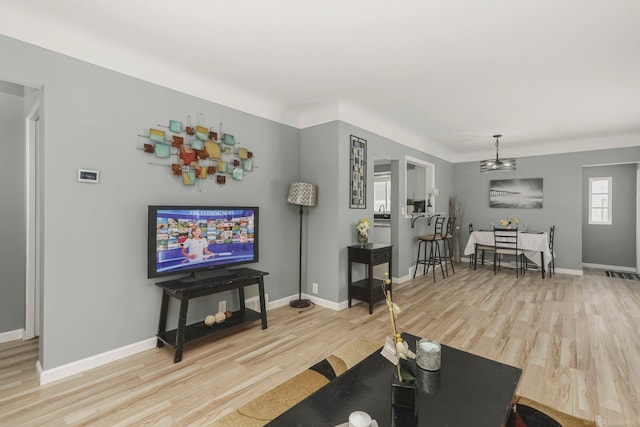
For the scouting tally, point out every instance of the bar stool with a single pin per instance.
(432, 241)
(448, 249)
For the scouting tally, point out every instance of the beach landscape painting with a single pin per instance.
(516, 193)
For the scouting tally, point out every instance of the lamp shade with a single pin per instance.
(302, 193)
(498, 164)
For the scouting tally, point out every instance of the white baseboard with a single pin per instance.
(254, 302)
(314, 298)
(406, 278)
(336, 306)
(60, 372)
(610, 267)
(18, 334)
(568, 271)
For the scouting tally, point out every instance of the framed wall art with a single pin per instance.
(516, 193)
(358, 173)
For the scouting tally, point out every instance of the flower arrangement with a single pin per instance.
(395, 348)
(432, 196)
(507, 222)
(363, 227)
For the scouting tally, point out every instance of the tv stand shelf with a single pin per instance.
(176, 338)
(200, 330)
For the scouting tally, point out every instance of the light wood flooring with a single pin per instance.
(577, 340)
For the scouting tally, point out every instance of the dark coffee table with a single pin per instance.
(468, 391)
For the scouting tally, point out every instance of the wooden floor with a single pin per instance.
(577, 340)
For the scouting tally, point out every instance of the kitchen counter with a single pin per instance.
(382, 220)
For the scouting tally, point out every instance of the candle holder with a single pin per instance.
(360, 419)
(428, 355)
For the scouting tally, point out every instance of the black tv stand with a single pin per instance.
(184, 291)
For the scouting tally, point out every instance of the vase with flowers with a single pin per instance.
(506, 222)
(363, 231)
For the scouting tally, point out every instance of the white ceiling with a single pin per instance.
(441, 76)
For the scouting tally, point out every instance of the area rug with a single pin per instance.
(623, 275)
(269, 405)
(529, 413)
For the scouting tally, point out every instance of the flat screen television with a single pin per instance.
(201, 241)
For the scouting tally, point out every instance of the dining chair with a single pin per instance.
(552, 264)
(448, 244)
(432, 243)
(477, 248)
(506, 243)
(472, 256)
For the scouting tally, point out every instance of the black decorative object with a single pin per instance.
(403, 392)
(404, 411)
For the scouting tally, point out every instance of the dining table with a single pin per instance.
(534, 244)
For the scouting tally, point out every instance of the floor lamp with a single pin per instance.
(301, 194)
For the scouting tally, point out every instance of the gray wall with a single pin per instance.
(331, 224)
(403, 236)
(562, 174)
(12, 208)
(320, 151)
(96, 296)
(615, 244)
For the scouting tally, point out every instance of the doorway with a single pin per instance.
(33, 230)
(382, 196)
(612, 244)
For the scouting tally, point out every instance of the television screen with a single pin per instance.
(189, 239)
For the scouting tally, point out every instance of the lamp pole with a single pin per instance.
(300, 303)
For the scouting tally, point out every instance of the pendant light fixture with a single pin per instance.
(497, 164)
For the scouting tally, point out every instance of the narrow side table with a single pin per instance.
(368, 289)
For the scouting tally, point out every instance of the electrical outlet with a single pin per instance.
(315, 288)
(222, 306)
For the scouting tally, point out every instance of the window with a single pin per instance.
(600, 200)
(382, 192)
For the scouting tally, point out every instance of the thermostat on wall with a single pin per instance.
(85, 175)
